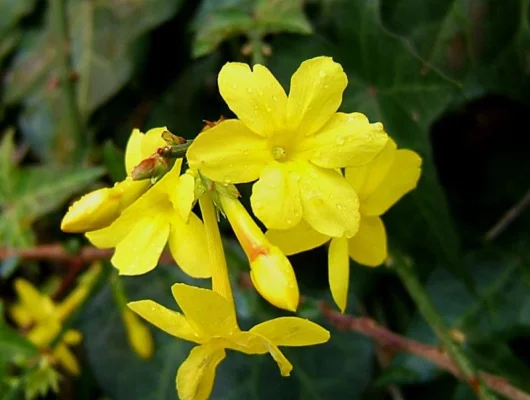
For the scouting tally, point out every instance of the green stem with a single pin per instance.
(73, 115)
(256, 43)
(427, 309)
(176, 150)
(220, 278)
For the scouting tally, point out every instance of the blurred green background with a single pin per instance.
(449, 79)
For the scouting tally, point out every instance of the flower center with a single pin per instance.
(279, 153)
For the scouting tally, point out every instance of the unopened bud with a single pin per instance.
(273, 277)
(152, 167)
(211, 124)
(270, 270)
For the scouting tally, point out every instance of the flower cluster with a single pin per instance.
(319, 176)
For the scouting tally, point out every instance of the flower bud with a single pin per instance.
(138, 334)
(273, 277)
(99, 208)
(172, 139)
(270, 270)
(152, 167)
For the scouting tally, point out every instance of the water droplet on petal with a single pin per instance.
(322, 73)
(269, 109)
(339, 140)
(296, 176)
(340, 206)
(249, 90)
(289, 222)
(227, 179)
(318, 153)
(235, 85)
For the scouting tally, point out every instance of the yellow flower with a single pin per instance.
(293, 145)
(209, 320)
(380, 184)
(43, 318)
(138, 334)
(142, 230)
(270, 270)
(101, 207)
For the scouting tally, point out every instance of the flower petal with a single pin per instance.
(256, 97)
(366, 178)
(368, 247)
(401, 179)
(138, 334)
(66, 359)
(187, 243)
(283, 363)
(163, 318)
(133, 150)
(229, 152)
(296, 240)
(196, 375)
(39, 306)
(292, 331)
(183, 196)
(208, 312)
(345, 140)
(72, 337)
(329, 203)
(140, 250)
(339, 271)
(315, 95)
(275, 197)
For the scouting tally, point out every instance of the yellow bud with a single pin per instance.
(99, 209)
(138, 334)
(95, 210)
(270, 270)
(273, 277)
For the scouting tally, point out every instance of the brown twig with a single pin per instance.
(398, 343)
(509, 217)
(55, 252)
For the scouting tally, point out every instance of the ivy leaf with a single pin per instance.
(217, 21)
(482, 44)
(339, 369)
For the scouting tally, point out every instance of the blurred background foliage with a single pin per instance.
(448, 78)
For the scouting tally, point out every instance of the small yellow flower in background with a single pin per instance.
(43, 319)
(101, 207)
(209, 320)
(270, 270)
(379, 184)
(142, 230)
(291, 145)
(138, 334)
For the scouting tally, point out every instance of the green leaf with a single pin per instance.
(339, 369)
(34, 192)
(11, 11)
(217, 21)
(388, 83)
(12, 344)
(103, 35)
(481, 44)
(499, 311)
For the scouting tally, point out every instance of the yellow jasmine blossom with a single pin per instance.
(142, 230)
(209, 320)
(291, 144)
(138, 334)
(270, 270)
(44, 318)
(101, 207)
(379, 184)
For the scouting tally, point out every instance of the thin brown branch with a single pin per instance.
(398, 343)
(55, 252)
(510, 216)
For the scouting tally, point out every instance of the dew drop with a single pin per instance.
(339, 206)
(318, 153)
(235, 85)
(322, 73)
(268, 109)
(249, 90)
(339, 140)
(296, 176)
(289, 222)
(227, 179)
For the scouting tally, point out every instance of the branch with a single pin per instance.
(398, 343)
(55, 252)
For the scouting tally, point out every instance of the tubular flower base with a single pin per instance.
(271, 272)
(38, 311)
(291, 145)
(100, 208)
(209, 320)
(142, 230)
(379, 184)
